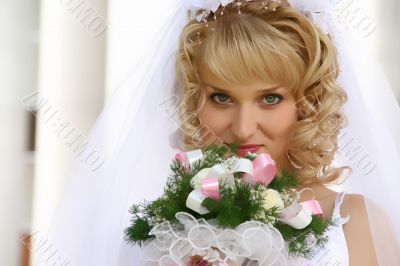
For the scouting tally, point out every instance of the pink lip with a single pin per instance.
(242, 151)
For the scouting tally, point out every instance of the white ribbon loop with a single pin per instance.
(296, 216)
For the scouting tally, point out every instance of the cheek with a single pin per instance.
(279, 123)
(278, 126)
(217, 120)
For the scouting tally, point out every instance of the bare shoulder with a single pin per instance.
(354, 206)
(357, 231)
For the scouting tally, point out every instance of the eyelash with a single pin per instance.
(267, 95)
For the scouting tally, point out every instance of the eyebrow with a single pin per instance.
(260, 91)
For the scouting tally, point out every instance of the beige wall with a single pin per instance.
(18, 53)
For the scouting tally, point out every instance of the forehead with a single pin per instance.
(207, 73)
(210, 80)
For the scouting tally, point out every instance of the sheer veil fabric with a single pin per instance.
(138, 134)
(369, 145)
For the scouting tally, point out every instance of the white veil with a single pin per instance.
(370, 143)
(137, 136)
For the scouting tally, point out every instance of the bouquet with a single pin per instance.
(221, 209)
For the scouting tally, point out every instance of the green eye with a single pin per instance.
(219, 98)
(273, 99)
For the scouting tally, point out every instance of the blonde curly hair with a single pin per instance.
(283, 46)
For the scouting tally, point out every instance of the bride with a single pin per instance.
(261, 80)
(269, 75)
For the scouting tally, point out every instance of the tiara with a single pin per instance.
(318, 11)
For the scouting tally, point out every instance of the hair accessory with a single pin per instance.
(319, 12)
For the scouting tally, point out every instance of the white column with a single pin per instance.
(71, 91)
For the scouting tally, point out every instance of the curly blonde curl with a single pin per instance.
(283, 46)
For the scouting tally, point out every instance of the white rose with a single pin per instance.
(202, 174)
(272, 198)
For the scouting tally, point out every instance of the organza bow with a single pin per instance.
(173, 243)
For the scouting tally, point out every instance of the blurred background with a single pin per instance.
(64, 59)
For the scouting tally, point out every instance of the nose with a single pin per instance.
(244, 123)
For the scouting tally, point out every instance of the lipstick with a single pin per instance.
(253, 148)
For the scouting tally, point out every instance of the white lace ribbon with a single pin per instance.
(176, 244)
